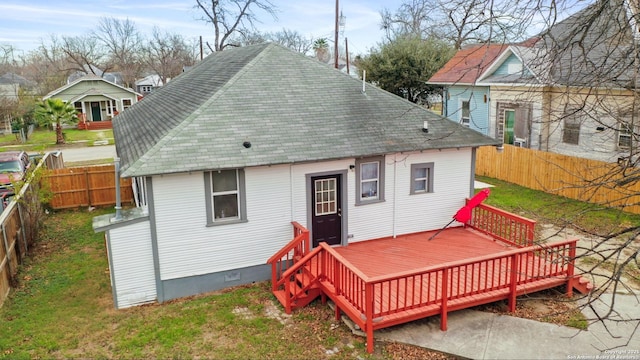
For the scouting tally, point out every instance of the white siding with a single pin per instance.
(277, 195)
(187, 247)
(132, 264)
(451, 185)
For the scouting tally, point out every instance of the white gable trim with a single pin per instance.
(86, 78)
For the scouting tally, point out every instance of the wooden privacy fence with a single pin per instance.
(87, 186)
(18, 230)
(575, 178)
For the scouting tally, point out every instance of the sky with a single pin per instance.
(24, 24)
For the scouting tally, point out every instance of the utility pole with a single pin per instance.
(335, 42)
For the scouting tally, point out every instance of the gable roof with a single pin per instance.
(88, 78)
(525, 57)
(594, 47)
(289, 107)
(467, 64)
(11, 78)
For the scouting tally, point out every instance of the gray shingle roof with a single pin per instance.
(593, 47)
(289, 107)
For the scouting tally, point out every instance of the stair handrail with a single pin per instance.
(301, 235)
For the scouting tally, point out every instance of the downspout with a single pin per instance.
(395, 194)
(118, 217)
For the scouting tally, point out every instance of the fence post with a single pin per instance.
(7, 251)
(86, 184)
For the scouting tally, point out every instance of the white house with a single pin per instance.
(253, 138)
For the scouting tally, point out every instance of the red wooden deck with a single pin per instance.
(390, 281)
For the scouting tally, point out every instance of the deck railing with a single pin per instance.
(295, 250)
(502, 225)
(389, 298)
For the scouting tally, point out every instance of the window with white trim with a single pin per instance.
(369, 180)
(625, 134)
(465, 116)
(224, 191)
(421, 178)
(126, 103)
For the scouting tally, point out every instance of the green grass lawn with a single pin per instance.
(62, 306)
(43, 139)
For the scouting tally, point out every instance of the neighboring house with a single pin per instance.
(96, 99)
(571, 89)
(253, 138)
(112, 77)
(148, 84)
(10, 85)
(463, 99)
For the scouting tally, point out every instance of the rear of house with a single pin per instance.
(272, 138)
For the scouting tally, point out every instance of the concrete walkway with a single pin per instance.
(481, 335)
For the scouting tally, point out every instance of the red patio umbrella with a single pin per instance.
(464, 214)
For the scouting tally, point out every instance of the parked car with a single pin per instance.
(13, 167)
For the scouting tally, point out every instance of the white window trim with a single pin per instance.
(242, 204)
(429, 179)
(381, 166)
(628, 133)
(122, 102)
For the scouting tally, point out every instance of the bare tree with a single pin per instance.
(456, 21)
(288, 38)
(166, 54)
(124, 43)
(232, 18)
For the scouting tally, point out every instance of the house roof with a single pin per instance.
(288, 107)
(150, 80)
(593, 47)
(87, 78)
(467, 64)
(11, 78)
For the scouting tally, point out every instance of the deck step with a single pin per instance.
(583, 285)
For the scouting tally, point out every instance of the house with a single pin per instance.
(148, 84)
(463, 99)
(112, 77)
(570, 89)
(234, 150)
(96, 99)
(10, 85)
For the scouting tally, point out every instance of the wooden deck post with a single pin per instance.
(571, 269)
(443, 305)
(368, 301)
(514, 283)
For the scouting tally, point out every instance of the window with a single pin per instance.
(126, 103)
(624, 136)
(225, 196)
(369, 180)
(421, 178)
(145, 89)
(571, 132)
(466, 113)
